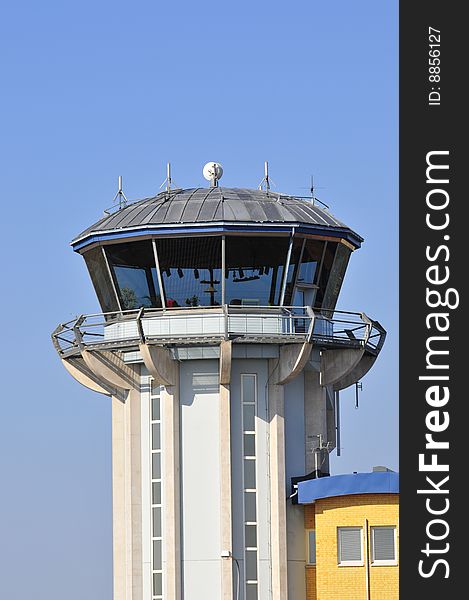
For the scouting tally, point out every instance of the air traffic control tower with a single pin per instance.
(223, 356)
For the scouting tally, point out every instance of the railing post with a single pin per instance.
(312, 316)
(77, 332)
(225, 320)
(141, 333)
(368, 324)
(54, 335)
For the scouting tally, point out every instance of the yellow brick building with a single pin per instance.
(352, 536)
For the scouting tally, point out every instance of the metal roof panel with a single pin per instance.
(215, 205)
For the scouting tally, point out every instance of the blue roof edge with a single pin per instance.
(348, 235)
(344, 485)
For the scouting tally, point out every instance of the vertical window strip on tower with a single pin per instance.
(311, 546)
(156, 495)
(248, 411)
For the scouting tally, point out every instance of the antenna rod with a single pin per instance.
(120, 194)
(358, 386)
(266, 179)
(168, 177)
(337, 422)
(168, 181)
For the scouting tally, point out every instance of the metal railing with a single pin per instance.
(261, 324)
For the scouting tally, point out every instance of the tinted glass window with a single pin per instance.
(100, 278)
(310, 262)
(254, 270)
(292, 269)
(323, 277)
(134, 270)
(336, 276)
(191, 271)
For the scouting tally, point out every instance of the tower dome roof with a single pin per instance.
(195, 209)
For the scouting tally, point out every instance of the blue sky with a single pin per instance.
(93, 90)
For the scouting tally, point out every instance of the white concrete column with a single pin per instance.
(315, 417)
(226, 517)
(225, 492)
(121, 499)
(277, 488)
(170, 412)
(134, 398)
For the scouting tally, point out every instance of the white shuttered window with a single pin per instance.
(383, 545)
(350, 545)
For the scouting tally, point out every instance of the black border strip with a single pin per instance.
(433, 257)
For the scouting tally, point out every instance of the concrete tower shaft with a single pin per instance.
(221, 349)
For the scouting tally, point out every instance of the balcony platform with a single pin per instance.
(176, 327)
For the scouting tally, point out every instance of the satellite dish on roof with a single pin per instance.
(212, 172)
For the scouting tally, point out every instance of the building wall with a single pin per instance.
(199, 473)
(310, 523)
(328, 580)
(200, 479)
(311, 583)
